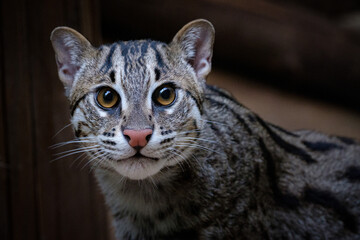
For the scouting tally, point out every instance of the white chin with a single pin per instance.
(137, 168)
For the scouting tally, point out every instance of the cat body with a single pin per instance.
(179, 159)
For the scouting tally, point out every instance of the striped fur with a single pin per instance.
(212, 169)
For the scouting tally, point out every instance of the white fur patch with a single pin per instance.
(139, 168)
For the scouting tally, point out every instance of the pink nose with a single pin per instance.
(137, 138)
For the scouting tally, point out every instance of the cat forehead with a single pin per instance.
(131, 56)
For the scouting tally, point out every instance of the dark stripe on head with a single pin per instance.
(321, 146)
(285, 145)
(124, 48)
(108, 62)
(144, 48)
(284, 131)
(238, 117)
(329, 201)
(124, 52)
(157, 74)
(352, 173)
(112, 76)
(346, 140)
(284, 200)
(73, 107)
(160, 61)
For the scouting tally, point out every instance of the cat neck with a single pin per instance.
(149, 194)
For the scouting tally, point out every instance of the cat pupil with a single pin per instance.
(165, 93)
(108, 96)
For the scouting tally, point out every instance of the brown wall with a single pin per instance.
(40, 199)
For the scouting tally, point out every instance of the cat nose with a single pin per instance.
(137, 138)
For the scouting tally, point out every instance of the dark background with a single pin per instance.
(295, 62)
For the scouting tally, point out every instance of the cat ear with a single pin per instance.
(196, 41)
(70, 49)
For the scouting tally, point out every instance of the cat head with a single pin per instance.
(136, 106)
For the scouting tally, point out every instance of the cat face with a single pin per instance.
(136, 106)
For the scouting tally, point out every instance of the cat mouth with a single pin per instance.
(139, 156)
(138, 166)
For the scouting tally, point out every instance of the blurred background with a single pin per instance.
(296, 63)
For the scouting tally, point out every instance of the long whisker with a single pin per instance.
(174, 151)
(200, 139)
(80, 158)
(66, 126)
(99, 160)
(79, 140)
(197, 146)
(187, 160)
(188, 132)
(96, 157)
(76, 151)
(219, 123)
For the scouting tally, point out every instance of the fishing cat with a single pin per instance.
(179, 159)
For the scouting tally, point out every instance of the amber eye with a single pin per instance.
(164, 95)
(107, 97)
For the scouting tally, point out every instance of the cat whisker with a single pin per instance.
(197, 146)
(103, 160)
(74, 142)
(73, 152)
(188, 132)
(187, 159)
(58, 132)
(80, 158)
(195, 138)
(174, 151)
(219, 123)
(81, 140)
(76, 149)
(97, 159)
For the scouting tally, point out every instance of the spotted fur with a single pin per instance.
(211, 169)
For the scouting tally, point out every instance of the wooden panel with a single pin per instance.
(40, 199)
(40, 59)
(68, 193)
(19, 134)
(4, 168)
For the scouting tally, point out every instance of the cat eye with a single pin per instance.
(164, 95)
(107, 97)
